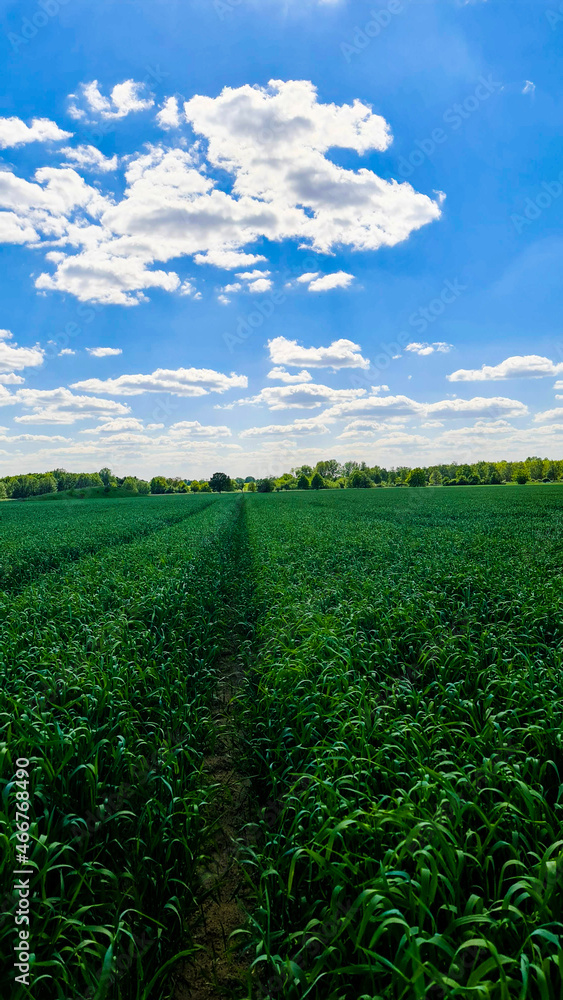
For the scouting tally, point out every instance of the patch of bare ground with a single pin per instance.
(218, 970)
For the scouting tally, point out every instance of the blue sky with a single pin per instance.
(246, 235)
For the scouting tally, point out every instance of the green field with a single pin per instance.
(399, 716)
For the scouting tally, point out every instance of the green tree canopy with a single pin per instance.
(220, 482)
(416, 477)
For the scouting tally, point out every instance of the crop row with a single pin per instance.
(40, 537)
(108, 669)
(404, 709)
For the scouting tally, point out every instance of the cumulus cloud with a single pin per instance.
(272, 143)
(384, 406)
(555, 414)
(14, 132)
(305, 279)
(340, 354)
(298, 427)
(439, 345)
(193, 428)
(339, 279)
(274, 140)
(228, 259)
(14, 358)
(124, 99)
(252, 275)
(367, 428)
(305, 396)
(60, 406)
(90, 158)
(260, 285)
(280, 374)
(66, 350)
(168, 116)
(179, 382)
(118, 424)
(104, 352)
(517, 366)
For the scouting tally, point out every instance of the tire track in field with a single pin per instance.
(218, 969)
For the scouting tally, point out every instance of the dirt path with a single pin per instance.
(218, 971)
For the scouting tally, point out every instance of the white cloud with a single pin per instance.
(179, 382)
(223, 299)
(340, 354)
(517, 366)
(11, 379)
(193, 428)
(261, 285)
(305, 396)
(104, 352)
(274, 140)
(168, 116)
(235, 286)
(305, 279)
(283, 376)
(272, 144)
(90, 158)
(554, 414)
(300, 427)
(228, 259)
(528, 87)
(14, 132)
(14, 358)
(367, 428)
(117, 425)
(188, 288)
(66, 350)
(124, 99)
(439, 345)
(252, 275)
(340, 279)
(60, 406)
(385, 406)
(99, 276)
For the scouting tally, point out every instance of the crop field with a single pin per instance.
(399, 717)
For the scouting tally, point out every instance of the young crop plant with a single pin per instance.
(108, 669)
(404, 713)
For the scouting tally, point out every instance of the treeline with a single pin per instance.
(327, 474)
(330, 474)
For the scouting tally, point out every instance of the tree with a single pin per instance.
(183, 487)
(143, 488)
(3, 493)
(303, 483)
(205, 488)
(522, 478)
(495, 478)
(303, 470)
(107, 477)
(220, 483)
(359, 480)
(158, 484)
(250, 487)
(435, 477)
(317, 482)
(130, 483)
(250, 479)
(416, 477)
(265, 486)
(328, 470)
